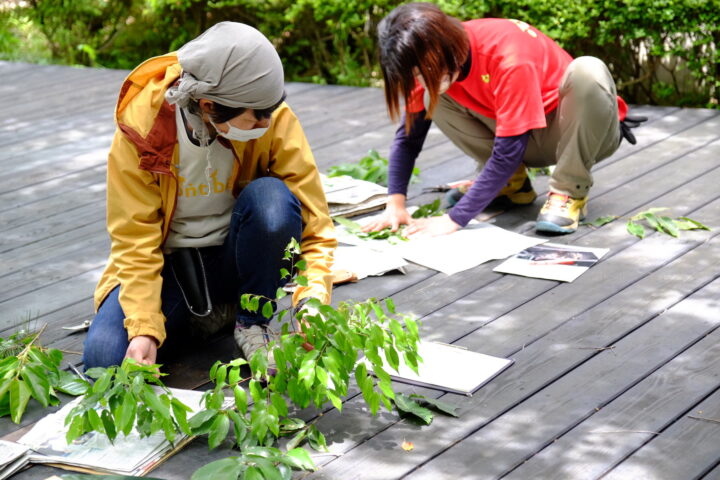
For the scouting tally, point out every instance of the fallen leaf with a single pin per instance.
(407, 446)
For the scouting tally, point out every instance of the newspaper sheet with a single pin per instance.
(128, 455)
(347, 196)
(552, 261)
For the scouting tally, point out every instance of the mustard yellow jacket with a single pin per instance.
(142, 189)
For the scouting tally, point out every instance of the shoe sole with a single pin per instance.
(550, 227)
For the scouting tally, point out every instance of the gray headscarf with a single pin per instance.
(232, 64)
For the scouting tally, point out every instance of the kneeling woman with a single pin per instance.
(209, 177)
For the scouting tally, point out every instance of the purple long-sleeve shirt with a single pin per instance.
(506, 157)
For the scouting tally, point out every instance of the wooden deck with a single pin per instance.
(617, 374)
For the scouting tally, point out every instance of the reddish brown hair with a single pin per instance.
(419, 35)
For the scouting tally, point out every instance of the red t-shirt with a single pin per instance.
(514, 76)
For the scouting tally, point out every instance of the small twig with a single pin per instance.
(705, 419)
(626, 431)
(599, 349)
(71, 352)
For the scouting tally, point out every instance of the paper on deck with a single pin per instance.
(552, 261)
(347, 196)
(128, 455)
(365, 262)
(465, 248)
(449, 368)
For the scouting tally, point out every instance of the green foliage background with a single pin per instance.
(660, 51)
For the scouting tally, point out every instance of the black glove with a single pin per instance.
(627, 124)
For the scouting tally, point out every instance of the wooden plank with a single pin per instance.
(50, 248)
(635, 418)
(24, 235)
(499, 329)
(539, 365)
(714, 474)
(687, 449)
(48, 189)
(497, 448)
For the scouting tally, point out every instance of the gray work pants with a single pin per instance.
(580, 132)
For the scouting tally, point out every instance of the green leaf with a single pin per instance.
(406, 405)
(154, 403)
(180, 411)
(306, 373)
(241, 401)
(102, 383)
(635, 229)
(295, 441)
(267, 310)
(316, 439)
(390, 305)
(321, 375)
(685, 223)
(600, 221)
(95, 421)
(301, 265)
(200, 422)
(438, 405)
(37, 382)
(254, 303)
(126, 418)
(239, 426)
(253, 473)
(279, 403)
(301, 459)
(284, 273)
(19, 397)
(109, 425)
(75, 429)
(280, 293)
(71, 384)
(349, 225)
(225, 469)
(218, 431)
(301, 280)
(668, 225)
(337, 403)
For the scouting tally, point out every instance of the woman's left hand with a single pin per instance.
(431, 227)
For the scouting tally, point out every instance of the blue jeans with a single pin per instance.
(265, 217)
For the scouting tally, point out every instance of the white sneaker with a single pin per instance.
(253, 338)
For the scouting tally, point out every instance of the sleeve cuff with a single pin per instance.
(150, 324)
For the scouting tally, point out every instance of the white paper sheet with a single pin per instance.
(465, 248)
(450, 368)
(365, 262)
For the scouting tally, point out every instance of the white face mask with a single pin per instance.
(239, 135)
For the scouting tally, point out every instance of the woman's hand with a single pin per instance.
(395, 215)
(142, 349)
(431, 227)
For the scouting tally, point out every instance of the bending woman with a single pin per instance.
(506, 95)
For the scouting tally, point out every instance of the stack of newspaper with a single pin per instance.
(348, 197)
(92, 453)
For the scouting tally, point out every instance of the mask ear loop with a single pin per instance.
(208, 172)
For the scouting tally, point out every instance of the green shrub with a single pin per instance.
(659, 51)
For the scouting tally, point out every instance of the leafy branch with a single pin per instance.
(28, 370)
(637, 223)
(253, 401)
(371, 168)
